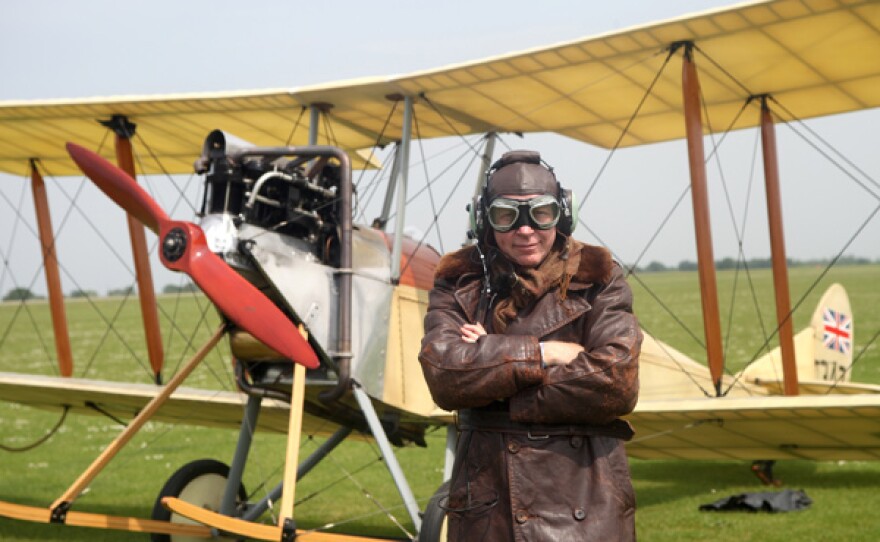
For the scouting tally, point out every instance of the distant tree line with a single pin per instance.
(25, 294)
(754, 263)
(180, 288)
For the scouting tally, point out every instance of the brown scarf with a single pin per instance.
(528, 285)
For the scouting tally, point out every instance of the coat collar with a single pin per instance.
(588, 264)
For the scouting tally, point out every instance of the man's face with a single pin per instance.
(525, 245)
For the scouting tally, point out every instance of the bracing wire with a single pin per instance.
(436, 216)
(437, 110)
(742, 262)
(742, 235)
(373, 185)
(626, 127)
(825, 154)
(6, 268)
(736, 227)
(302, 111)
(181, 194)
(452, 164)
(328, 128)
(22, 305)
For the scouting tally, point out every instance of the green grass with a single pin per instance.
(845, 494)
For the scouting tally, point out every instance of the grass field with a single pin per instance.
(345, 488)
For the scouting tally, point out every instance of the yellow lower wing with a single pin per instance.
(827, 427)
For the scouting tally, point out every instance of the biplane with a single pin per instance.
(323, 315)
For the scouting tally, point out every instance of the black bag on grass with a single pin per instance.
(786, 500)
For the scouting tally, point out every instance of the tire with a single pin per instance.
(201, 482)
(434, 519)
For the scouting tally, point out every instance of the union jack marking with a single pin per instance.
(838, 331)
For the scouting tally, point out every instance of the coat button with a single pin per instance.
(579, 514)
(512, 447)
(576, 442)
(521, 516)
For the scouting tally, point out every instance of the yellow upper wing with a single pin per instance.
(817, 58)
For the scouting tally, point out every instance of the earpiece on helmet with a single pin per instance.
(569, 209)
(476, 217)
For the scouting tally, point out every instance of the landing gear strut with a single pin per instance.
(763, 469)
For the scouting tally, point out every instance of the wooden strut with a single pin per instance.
(702, 223)
(53, 278)
(777, 251)
(146, 292)
(294, 432)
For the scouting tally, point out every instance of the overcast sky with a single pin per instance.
(61, 49)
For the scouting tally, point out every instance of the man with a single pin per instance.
(530, 336)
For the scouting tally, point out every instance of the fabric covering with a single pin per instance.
(786, 500)
(817, 58)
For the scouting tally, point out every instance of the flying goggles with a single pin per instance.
(540, 212)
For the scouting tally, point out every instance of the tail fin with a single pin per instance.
(823, 351)
(833, 336)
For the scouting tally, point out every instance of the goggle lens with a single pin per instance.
(541, 213)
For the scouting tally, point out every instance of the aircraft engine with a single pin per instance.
(293, 196)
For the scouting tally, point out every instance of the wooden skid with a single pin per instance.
(248, 528)
(103, 521)
(139, 525)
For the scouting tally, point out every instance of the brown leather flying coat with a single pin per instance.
(540, 454)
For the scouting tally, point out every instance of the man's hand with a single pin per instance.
(471, 332)
(560, 352)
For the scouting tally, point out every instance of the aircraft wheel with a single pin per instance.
(434, 519)
(201, 482)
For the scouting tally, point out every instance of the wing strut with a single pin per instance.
(400, 218)
(777, 249)
(53, 278)
(124, 130)
(485, 162)
(702, 224)
(294, 436)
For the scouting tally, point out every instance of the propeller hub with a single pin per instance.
(174, 244)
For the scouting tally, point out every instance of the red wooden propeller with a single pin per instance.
(184, 248)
